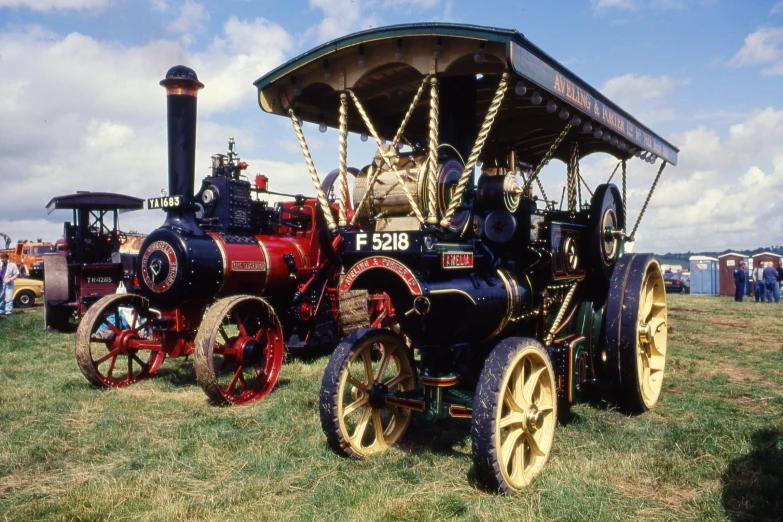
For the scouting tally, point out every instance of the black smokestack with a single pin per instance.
(182, 88)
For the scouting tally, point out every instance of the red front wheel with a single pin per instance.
(110, 342)
(239, 350)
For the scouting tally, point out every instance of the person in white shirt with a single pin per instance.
(759, 286)
(8, 274)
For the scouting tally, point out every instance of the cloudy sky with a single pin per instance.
(81, 108)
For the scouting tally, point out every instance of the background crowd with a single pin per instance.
(765, 280)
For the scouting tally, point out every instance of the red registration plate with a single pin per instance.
(457, 260)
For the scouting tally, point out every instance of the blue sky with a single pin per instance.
(80, 108)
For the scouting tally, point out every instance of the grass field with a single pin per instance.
(711, 450)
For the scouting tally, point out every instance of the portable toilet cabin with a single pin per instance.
(726, 264)
(704, 275)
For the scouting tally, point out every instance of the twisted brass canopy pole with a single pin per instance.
(432, 160)
(489, 120)
(322, 201)
(342, 196)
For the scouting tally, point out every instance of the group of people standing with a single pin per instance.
(766, 279)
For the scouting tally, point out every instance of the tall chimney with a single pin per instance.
(182, 88)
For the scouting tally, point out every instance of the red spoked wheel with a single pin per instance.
(239, 350)
(115, 343)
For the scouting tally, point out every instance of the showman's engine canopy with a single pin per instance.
(514, 302)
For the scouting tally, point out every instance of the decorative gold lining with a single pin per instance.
(266, 258)
(222, 250)
(453, 291)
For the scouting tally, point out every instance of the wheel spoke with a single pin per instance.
(130, 368)
(532, 383)
(240, 323)
(377, 425)
(518, 460)
(358, 433)
(368, 373)
(135, 316)
(141, 325)
(355, 382)
(233, 381)
(385, 357)
(518, 383)
(534, 447)
(112, 353)
(354, 406)
(513, 418)
(507, 448)
(136, 357)
(513, 405)
(260, 333)
(111, 366)
(223, 333)
(646, 390)
(398, 379)
(111, 326)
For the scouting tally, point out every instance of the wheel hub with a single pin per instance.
(378, 394)
(249, 350)
(645, 333)
(122, 341)
(535, 418)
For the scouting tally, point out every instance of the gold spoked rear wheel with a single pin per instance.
(636, 332)
(364, 370)
(651, 335)
(514, 415)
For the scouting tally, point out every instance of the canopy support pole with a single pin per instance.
(342, 195)
(322, 201)
(489, 120)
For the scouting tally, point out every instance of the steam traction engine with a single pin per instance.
(516, 304)
(226, 243)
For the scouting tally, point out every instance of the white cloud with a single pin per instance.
(191, 20)
(764, 46)
(777, 8)
(90, 115)
(628, 5)
(637, 5)
(643, 96)
(53, 5)
(405, 4)
(340, 17)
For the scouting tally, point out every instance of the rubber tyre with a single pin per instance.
(24, 299)
(490, 402)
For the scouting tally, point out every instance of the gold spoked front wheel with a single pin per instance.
(514, 415)
(366, 368)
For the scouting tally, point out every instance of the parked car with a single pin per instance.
(26, 291)
(677, 282)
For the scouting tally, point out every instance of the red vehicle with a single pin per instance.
(88, 264)
(227, 277)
